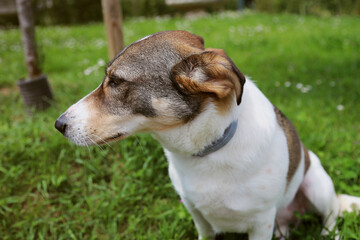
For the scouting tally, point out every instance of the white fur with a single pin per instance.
(240, 187)
(80, 113)
(76, 131)
(348, 203)
(243, 186)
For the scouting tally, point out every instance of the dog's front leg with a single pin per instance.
(264, 227)
(203, 227)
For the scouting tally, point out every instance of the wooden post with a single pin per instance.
(113, 22)
(26, 21)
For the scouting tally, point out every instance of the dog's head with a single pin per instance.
(159, 82)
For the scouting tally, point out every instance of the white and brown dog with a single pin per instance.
(236, 161)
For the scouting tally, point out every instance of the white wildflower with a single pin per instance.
(47, 42)
(160, 19)
(299, 85)
(15, 48)
(259, 28)
(70, 43)
(89, 70)
(129, 32)
(229, 14)
(306, 89)
(281, 29)
(182, 25)
(287, 84)
(99, 43)
(340, 107)
(241, 30)
(101, 62)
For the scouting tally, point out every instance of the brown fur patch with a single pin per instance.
(140, 73)
(293, 142)
(157, 125)
(183, 42)
(240, 77)
(208, 73)
(299, 204)
(307, 159)
(221, 52)
(223, 105)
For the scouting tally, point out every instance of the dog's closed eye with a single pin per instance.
(115, 81)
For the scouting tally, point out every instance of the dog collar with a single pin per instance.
(221, 142)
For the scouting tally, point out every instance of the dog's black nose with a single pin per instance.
(61, 125)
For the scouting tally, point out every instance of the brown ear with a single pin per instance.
(209, 72)
(221, 52)
(239, 74)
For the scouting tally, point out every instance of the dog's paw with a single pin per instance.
(348, 203)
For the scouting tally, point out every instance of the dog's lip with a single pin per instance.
(115, 137)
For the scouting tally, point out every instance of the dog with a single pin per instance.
(234, 158)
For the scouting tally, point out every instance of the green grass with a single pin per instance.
(52, 189)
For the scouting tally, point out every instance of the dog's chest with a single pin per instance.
(226, 193)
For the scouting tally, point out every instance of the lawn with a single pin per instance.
(51, 189)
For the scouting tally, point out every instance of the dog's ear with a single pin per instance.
(221, 52)
(210, 72)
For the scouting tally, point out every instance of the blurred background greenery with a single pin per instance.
(50, 12)
(304, 56)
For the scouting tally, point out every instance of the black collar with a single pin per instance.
(221, 142)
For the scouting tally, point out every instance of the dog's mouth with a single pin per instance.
(115, 137)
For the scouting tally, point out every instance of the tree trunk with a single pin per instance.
(113, 23)
(26, 21)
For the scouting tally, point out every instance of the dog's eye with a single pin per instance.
(114, 82)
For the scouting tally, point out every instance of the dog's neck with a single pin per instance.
(194, 137)
(221, 142)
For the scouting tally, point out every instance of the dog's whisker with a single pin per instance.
(102, 140)
(101, 148)
(86, 144)
(80, 141)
